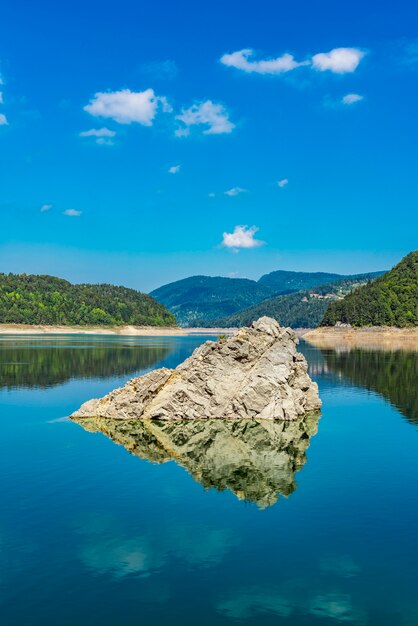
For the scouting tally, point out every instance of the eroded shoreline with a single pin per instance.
(145, 331)
(373, 337)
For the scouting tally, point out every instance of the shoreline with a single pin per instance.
(372, 337)
(139, 331)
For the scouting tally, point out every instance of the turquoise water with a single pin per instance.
(324, 533)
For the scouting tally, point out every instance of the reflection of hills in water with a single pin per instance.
(255, 459)
(392, 374)
(53, 362)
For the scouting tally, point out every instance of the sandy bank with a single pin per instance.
(146, 331)
(385, 337)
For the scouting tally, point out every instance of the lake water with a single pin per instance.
(298, 524)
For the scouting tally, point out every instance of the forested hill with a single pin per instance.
(281, 281)
(205, 298)
(391, 300)
(30, 299)
(198, 300)
(301, 309)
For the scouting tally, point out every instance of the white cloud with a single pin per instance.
(174, 169)
(103, 136)
(184, 131)
(338, 60)
(3, 118)
(352, 98)
(282, 183)
(214, 116)
(126, 106)
(45, 207)
(241, 237)
(241, 61)
(72, 212)
(98, 132)
(235, 191)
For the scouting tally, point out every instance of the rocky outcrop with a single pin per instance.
(254, 459)
(256, 373)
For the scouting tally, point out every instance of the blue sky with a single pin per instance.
(145, 142)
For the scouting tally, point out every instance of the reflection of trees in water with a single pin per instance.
(55, 362)
(255, 459)
(392, 374)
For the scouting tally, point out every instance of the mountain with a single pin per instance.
(30, 299)
(281, 281)
(391, 300)
(301, 309)
(204, 298)
(198, 300)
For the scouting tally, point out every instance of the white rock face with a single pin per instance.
(256, 373)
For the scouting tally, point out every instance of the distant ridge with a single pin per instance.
(391, 300)
(300, 309)
(32, 299)
(205, 300)
(282, 280)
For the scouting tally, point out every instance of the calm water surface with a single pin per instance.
(298, 524)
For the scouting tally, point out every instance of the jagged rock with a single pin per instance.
(256, 373)
(254, 459)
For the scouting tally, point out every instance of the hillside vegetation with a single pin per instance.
(30, 299)
(302, 309)
(391, 300)
(281, 281)
(199, 300)
(204, 298)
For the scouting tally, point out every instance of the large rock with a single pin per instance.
(256, 373)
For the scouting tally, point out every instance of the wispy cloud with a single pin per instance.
(213, 116)
(174, 169)
(103, 136)
(72, 213)
(3, 118)
(241, 60)
(241, 237)
(338, 60)
(45, 207)
(282, 183)
(211, 194)
(352, 98)
(127, 107)
(235, 191)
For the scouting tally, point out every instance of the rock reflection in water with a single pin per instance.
(255, 459)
